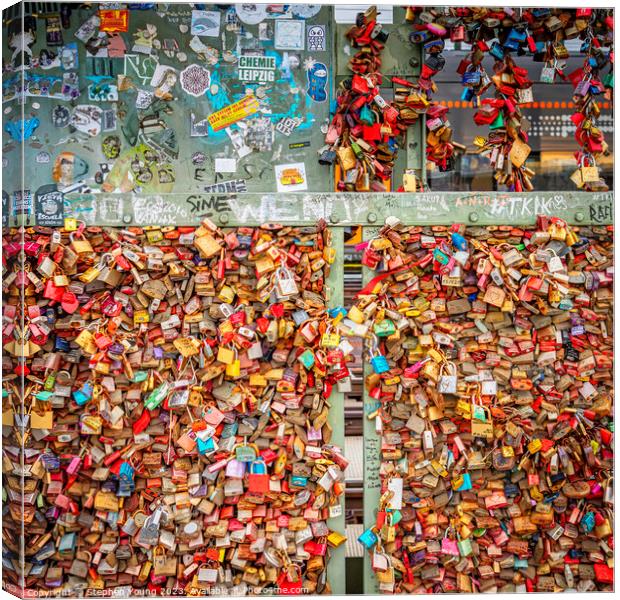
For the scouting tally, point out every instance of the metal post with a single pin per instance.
(336, 568)
(372, 441)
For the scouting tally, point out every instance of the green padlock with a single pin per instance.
(384, 328)
(465, 548)
(306, 358)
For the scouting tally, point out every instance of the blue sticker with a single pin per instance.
(317, 82)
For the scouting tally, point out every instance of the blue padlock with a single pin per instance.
(520, 563)
(204, 446)
(368, 538)
(467, 94)
(497, 51)
(299, 481)
(459, 242)
(84, 394)
(587, 521)
(466, 485)
(379, 364)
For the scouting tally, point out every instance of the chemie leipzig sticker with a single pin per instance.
(259, 69)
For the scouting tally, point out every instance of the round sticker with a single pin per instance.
(43, 157)
(251, 14)
(195, 80)
(305, 11)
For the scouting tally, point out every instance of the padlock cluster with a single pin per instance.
(502, 34)
(173, 428)
(365, 133)
(589, 84)
(440, 147)
(490, 354)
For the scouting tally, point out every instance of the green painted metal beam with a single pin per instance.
(372, 446)
(339, 209)
(335, 283)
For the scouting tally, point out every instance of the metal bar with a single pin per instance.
(340, 209)
(335, 282)
(372, 463)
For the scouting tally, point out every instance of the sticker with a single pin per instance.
(260, 134)
(87, 119)
(6, 201)
(287, 125)
(297, 145)
(88, 29)
(22, 130)
(102, 89)
(251, 14)
(206, 23)
(225, 165)
(198, 128)
(114, 20)
(238, 142)
(22, 202)
(233, 113)
(111, 146)
(317, 80)
(43, 157)
(70, 86)
(195, 80)
(68, 168)
(316, 38)
(48, 60)
(198, 158)
(69, 58)
(116, 46)
(305, 11)
(143, 99)
(260, 69)
(164, 79)
(49, 206)
(61, 116)
(265, 32)
(291, 177)
(227, 187)
(144, 39)
(289, 35)
(108, 119)
(139, 68)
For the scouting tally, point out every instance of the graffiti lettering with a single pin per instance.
(207, 205)
(601, 213)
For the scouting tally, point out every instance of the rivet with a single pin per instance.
(473, 217)
(224, 218)
(579, 216)
(333, 218)
(372, 217)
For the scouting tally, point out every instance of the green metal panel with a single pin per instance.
(286, 96)
(394, 57)
(335, 282)
(372, 446)
(340, 209)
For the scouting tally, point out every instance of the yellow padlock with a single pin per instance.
(70, 224)
(356, 315)
(225, 355)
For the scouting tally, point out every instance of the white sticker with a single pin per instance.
(289, 35)
(225, 165)
(395, 485)
(316, 38)
(195, 80)
(251, 14)
(291, 177)
(206, 23)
